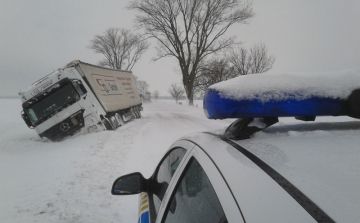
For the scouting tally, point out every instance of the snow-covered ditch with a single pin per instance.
(70, 181)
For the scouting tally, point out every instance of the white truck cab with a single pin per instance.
(80, 97)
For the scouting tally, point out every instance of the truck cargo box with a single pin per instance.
(115, 89)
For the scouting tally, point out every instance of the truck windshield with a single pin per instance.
(52, 103)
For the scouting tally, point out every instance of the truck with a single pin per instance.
(147, 97)
(80, 97)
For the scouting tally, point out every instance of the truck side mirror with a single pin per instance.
(26, 119)
(133, 183)
(82, 87)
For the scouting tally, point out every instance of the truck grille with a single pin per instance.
(67, 127)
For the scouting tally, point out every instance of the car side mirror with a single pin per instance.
(133, 183)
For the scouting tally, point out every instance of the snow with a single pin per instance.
(257, 123)
(283, 86)
(70, 181)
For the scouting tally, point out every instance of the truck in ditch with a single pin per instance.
(80, 97)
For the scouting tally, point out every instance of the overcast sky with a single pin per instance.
(38, 36)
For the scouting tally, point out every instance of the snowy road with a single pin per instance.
(70, 181)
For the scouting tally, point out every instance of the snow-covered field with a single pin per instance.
(70, 181)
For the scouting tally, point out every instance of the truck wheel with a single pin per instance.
(107, 124)
(138, 114)
(119, 119)
(134, 112)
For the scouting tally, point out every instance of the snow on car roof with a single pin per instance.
(284, 86)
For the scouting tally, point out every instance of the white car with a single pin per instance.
(287, 173)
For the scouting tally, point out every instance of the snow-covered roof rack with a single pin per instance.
(259, 99)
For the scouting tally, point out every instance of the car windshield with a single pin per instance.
(52, 103)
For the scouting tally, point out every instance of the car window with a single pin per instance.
(164, 174)
(194, 199)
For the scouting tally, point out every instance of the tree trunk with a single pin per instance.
(191, 101)
(189, 94)
(188, 85)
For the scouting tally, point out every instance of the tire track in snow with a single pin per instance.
(84, 195)
(90, 186)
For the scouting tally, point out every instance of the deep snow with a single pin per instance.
(70, 181)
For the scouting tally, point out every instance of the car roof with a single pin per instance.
(321, 159)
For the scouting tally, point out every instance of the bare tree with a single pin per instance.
(142, 87)
(255, 61)
(156, 94)
(212, 72)
(121, 48)
(240, 62)
(135, 78)
(190, 30)
(176, 92)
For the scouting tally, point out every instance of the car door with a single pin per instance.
(150, 202)
(199, 193)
